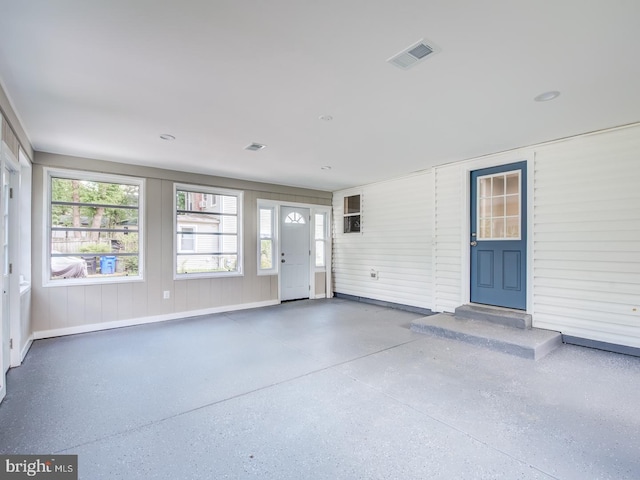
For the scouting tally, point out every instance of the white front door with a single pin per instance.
(295, 253)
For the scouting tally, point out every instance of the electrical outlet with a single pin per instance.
(374, 274)
(166, 294)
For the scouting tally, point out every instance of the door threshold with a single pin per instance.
(505, 309)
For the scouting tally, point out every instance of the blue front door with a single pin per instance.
(499, 236)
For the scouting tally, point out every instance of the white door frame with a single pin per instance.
(10, 164)
(306, 230)
(478, 164)
(14, 279)
(313, 209)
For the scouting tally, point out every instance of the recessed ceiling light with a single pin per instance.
(326, 118)
(326, 167)
(254, 147)
(166, 136)
(546, 96)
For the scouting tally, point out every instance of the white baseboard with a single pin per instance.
(23, 352)
(26, 348)
(95, 327)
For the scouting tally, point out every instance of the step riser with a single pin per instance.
(497, 316)
(492, 344)
(532, 343)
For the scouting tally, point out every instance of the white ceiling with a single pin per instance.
(104, 78)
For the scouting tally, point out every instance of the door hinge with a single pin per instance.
(10, 192)
(11, 268)
(11, 344)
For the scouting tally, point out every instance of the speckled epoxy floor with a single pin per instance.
(326, 389)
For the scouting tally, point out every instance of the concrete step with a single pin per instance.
(532, 343)
(498, 315)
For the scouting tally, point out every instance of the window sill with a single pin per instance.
(266, 273)
(191, 276)
(75, 282)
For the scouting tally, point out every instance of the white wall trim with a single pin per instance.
(95, 327)
(432, 182)
(465, 218)
(526, 155)
(531, 168)
(25, 349)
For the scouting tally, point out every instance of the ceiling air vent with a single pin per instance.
(412, 55)
(254, 147)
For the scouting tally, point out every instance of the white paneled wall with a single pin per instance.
(587, 237)
(67, 309)
(395, 242)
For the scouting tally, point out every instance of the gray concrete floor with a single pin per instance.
(326, 389)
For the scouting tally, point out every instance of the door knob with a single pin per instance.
(282, 261)
(474, 243)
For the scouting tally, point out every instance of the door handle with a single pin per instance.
(282, 261)
(474, 243)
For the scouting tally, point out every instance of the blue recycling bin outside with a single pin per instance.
(107, 264)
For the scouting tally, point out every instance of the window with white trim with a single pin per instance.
(266, 240)
(352, 214)
(320, 236)
(208, 228)
(93, 227)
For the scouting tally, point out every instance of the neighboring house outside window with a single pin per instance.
(187, 243)
(93, 226)
(208, 231)
(266, 242)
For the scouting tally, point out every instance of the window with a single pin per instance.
(93, 227)
(266, 243)
(208, 231)
(295, 217)
(499, 206)
(320, 236)
(7, 175)
(352, 214)
(187, 239)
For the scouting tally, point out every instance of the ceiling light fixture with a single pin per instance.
(546, 96)
(254, 147)
(166, 136)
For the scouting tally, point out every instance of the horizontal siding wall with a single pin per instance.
(587, 237)
(449, 213)
(396, 242)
